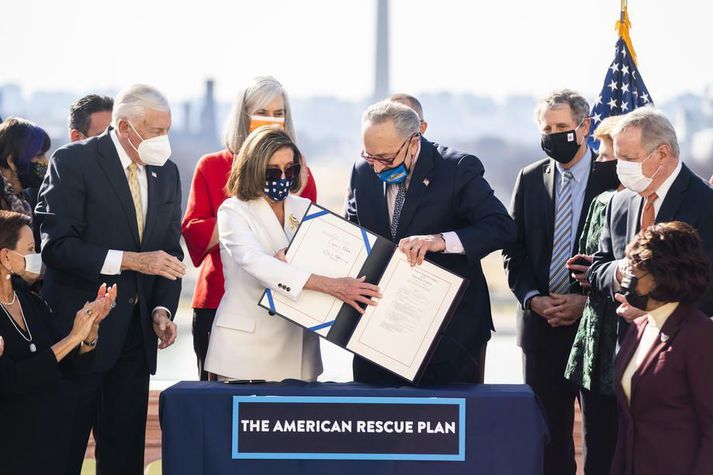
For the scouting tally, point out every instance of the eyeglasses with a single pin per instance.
(387, 160)
(275, 173)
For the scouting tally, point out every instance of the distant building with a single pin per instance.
(381, 76)
(208, 128)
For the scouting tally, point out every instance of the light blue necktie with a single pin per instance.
(561, 242)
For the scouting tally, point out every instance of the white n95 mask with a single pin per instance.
(154, 151)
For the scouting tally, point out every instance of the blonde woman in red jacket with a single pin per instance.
(261, 102)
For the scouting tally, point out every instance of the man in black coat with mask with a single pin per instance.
(549, 206)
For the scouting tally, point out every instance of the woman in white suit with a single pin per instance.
(255, 225)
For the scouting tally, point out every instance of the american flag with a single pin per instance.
(623, 89)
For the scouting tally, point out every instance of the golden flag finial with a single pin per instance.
(622, 27)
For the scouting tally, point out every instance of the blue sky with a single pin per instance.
(323, 47)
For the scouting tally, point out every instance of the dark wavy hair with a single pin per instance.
(673, 254)
(22, 140)
(80, 112)
(10, 225)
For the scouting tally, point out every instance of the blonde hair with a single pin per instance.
(605, 128)
(259, 92)
(247, 175)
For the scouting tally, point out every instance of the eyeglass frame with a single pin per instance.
(388, 161)
(294, 167)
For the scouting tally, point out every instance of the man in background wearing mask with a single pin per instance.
(660, 188)
(111, 210)
(89, 116)
(549, 206)
(434, 202)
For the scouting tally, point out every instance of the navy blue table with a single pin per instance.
(505, 430)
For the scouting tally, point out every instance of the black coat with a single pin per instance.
(690, 199)
(447, 192)
(36, 401)
(85, 209)
(527, 261)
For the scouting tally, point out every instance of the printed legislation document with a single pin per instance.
(400, 332)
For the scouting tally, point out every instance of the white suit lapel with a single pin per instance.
(268, 221)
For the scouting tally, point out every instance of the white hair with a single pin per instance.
(132, 102)
(655, 127)
(258, 93)
(405, 119)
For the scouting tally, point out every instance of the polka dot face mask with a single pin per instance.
(276, 187)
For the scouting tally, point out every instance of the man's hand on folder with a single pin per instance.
(416, 247)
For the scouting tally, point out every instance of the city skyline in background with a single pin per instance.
(496, 125)
(324, 48)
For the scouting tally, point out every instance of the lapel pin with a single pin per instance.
(153, 174)
(293, 221)
(664, 337)
(426, 181)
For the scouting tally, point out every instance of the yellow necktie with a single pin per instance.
(136, 196)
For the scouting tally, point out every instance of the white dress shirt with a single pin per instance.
(112, 262)
(656, 319)
(453, 242)
(662, 190)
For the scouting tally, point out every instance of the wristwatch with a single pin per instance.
(528, 302)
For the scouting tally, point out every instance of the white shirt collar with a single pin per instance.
(657, 317)
(123, 156)
(662, 190)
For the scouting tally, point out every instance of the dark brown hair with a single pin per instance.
(80, 112)
(10, 225)
(672, 253)
(247, 176)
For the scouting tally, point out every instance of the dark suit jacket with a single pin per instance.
(690, 199)
(447, 192)
(667, 428)
(527, 261)
(86, 209)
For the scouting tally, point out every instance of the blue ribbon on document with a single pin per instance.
(270, 301)
(315, 215)
(367, 245)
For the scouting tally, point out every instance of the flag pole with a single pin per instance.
(622, 27)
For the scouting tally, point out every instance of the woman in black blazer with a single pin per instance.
(35, 412)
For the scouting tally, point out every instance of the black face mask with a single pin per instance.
(33, 176)
(606, 174)
(628, 289)
(562, 146)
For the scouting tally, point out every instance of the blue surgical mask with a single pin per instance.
(277, 190)
(394, 176)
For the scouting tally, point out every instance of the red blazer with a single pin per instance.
(206, 196)
(667, 428)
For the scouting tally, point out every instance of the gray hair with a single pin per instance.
(576, 102)
(132, 102)
(259, 92)
(655, 127)
(405, 119)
